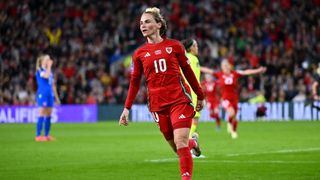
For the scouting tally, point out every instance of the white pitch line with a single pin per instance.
(171, 159)
(284, 151)
(258, 162)
(235, 162)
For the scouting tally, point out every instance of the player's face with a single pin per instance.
(194, 48)
(148, 25)
(225, 66)
(45, 61)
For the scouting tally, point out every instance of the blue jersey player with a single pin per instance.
(46, 94)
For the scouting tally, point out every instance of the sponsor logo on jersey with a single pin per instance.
(169, 50)
(147, 54)
(157, 52)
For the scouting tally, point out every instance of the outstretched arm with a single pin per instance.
(206, 70)
(247, 72)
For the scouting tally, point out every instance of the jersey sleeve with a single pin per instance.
(237, 74)
(188, 72)
(215, 74)
(134, 86)
(182, 56)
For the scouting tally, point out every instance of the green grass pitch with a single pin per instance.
(264, 150)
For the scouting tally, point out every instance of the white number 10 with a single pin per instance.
(161, 63)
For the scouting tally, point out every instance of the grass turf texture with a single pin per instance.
(264, 150)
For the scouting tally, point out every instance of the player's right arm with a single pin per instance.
(46, 73)
(133, 89)
(206, 70)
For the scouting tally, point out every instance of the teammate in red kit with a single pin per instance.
(228, 83)
(170, 103)
(212, 94)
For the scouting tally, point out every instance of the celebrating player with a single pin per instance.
(45, 96)
(160, 60)
(191, 47)
(228, 83)
(212, 95)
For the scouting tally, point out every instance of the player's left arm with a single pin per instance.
(56, 96)
(206, 70)
(190, 76)
(248, 72)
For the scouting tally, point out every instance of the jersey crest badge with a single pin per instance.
(169, 50)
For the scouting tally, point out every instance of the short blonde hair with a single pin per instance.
(39, 60)
(155, 12)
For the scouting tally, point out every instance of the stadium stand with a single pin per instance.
(86, 37)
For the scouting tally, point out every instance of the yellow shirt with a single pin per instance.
(195, 66)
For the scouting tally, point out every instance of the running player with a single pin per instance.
(212, 95)
(46, 94)
(170, 103)
(228, 83)
(191, 47)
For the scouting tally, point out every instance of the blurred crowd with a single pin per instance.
(85, 38)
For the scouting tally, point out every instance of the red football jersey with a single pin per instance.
(211, 91)
(160, 63)
(228, 84)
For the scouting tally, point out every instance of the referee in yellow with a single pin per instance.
(191, 47)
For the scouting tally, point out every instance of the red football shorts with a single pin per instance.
(175, 117)
(227, 103)
(213, 105)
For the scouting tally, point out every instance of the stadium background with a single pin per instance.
(91, 43)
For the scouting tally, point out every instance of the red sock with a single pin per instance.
(230, 120)
(234, 124)
(192, 143)
(186, 163)
(217, 118)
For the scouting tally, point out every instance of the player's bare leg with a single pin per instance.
(232, 122)
(181, 140)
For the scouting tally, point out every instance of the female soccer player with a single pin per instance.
(191, 47)
(45, 96)
(212, 95)
(160, 60)
(228, 83)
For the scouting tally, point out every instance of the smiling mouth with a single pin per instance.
(144, 30)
